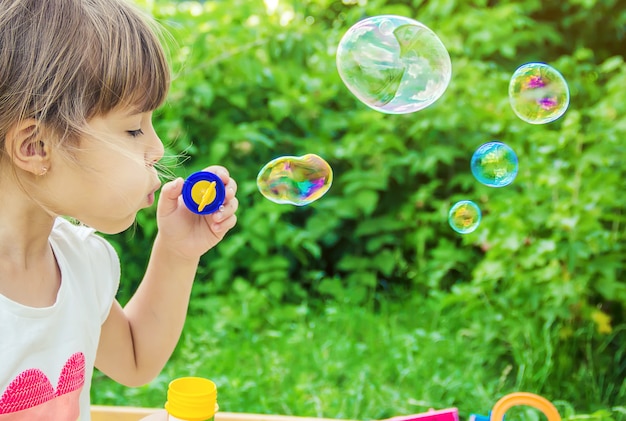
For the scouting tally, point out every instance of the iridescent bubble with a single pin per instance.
(393, 64)
(297, 180)
(464, 216)
(538, 93)
(494, 164)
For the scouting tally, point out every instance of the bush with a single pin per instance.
(540, 281)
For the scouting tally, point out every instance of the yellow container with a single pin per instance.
(192, 399)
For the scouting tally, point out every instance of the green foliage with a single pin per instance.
(535, 284)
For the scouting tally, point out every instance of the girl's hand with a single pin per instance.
(186, 233)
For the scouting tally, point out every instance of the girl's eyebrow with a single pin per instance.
(132, 112)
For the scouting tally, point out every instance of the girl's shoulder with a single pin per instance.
(88, 263)
(75, 238)
(71, 229)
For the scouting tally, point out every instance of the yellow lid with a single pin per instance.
(192, 399)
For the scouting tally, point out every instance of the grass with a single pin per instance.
(353, 361)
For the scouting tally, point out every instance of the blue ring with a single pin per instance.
(220, 192)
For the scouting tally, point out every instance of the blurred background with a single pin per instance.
(366, 304)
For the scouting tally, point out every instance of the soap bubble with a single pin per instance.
(393, 64)
(297, 180)
(464, 216)
(538, 93)
(494, 164)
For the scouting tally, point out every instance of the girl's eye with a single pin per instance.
(135, 133)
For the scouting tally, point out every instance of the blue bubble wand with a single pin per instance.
(203, 192)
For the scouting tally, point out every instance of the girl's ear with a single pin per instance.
(27, 148)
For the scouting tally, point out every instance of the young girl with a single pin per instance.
(79, 80)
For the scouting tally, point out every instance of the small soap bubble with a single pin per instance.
(393, 64)
(296, 180)
(464, 216)
(538, 93)
(494, 164)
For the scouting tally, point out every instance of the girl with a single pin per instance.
(79, 80)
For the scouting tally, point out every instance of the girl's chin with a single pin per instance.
(116, 227)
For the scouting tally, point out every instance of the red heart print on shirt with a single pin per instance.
(31, 396)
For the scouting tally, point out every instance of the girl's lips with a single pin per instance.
(152, 193)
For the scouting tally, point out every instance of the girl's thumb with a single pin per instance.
(170, 195)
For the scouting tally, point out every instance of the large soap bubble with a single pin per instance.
(295, 180)
(394, 64)
(538, 93)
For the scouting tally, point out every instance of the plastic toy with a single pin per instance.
(450, 414)
(524, 398)
(203, 192)
(519, 398)
(476, 417)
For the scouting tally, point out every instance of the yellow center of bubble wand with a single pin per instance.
(203, 193)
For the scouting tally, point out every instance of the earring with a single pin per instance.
(44, 171)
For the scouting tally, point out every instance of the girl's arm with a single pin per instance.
(136, 341)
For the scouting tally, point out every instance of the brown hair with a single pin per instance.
(63, 62)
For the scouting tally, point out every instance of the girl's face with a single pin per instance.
(113, 175)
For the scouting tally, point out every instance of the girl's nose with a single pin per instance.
(155, 150)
